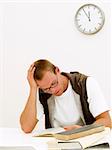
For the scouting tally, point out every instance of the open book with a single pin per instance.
(82, 142)
(62, 134)
(48, 132)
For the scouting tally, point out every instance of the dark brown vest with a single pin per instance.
(78, 82)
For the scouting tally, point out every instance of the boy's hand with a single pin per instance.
(72, 127)
(30, 77)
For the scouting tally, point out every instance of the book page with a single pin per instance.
(48, 132)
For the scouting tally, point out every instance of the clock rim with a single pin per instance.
(103, 18)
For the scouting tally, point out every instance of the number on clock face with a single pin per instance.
(89, 19)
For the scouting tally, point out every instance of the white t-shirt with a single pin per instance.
(96, 100)
(66, 109)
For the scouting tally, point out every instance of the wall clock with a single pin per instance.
(89, 19)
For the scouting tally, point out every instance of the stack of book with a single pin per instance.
(77, 139)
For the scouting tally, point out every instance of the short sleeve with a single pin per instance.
(96, 100)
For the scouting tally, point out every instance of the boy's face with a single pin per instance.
(51, 83)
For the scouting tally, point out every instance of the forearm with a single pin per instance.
(106, 123)
(28, 118)
(104, 119)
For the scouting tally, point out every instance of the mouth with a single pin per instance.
(56, 93)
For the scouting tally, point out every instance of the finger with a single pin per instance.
(31, 67)
(72, 127)
(67, 128)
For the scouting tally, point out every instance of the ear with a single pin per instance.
(57, 70)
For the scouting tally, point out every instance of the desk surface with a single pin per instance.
(15, 137)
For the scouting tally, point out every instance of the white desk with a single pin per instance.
(15, 137)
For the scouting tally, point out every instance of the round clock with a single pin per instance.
(89, 19)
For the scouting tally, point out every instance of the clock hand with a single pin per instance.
(89, 15)
(86, 13)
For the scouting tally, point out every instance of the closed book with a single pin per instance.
(79, 132)
(94, 141)
(64, 146)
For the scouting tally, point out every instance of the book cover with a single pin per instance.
(79, 132)
(64, 146)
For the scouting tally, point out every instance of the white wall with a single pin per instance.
(33, 30)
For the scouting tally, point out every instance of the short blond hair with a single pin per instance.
(41, 66)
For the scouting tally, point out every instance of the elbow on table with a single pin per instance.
(27, 128)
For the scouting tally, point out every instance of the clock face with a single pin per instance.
(89, 19)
